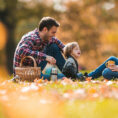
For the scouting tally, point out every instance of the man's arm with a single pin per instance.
(58, 42)
(25, 49)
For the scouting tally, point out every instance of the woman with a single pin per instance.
(110, 72)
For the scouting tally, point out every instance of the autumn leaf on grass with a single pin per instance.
(106, 80)
(41, 89)
(88, 79)
(66, 81)
(92, 91)
(38, 81)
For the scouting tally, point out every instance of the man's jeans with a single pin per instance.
(106, 72)
(54, 51)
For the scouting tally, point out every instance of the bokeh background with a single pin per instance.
(92, 23)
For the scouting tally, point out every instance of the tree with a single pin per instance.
(13, 11)
(85, 21)
(8, 18)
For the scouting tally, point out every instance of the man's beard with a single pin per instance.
(46, 38)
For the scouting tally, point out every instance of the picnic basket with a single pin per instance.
(26, 73)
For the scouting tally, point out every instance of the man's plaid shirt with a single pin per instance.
(32, 45)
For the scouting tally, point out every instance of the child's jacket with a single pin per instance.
(70, 68)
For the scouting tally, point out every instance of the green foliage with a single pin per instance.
(2, 5)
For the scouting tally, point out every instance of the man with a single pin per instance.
(42, 44)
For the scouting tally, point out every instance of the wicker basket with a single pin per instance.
(28, 73)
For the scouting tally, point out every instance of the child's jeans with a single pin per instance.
(106, 72)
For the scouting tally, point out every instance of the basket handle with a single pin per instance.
(35, 65)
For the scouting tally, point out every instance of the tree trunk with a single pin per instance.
(8, 18)
(10, 48)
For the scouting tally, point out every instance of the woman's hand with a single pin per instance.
(114, 68)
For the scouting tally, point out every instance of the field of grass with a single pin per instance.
(61, 99)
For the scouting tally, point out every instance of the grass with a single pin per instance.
(1, 112)
(106, 108)
(60, 99)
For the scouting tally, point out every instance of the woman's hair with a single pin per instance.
(68, 48)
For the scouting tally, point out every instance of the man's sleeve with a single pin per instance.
(58, 42)
(26, 50)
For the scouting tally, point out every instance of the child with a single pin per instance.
(70, 69)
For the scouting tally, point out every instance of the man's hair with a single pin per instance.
(47, 22)
(68, 48)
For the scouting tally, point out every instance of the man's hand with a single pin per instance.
(51, 59)
(114, 68)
